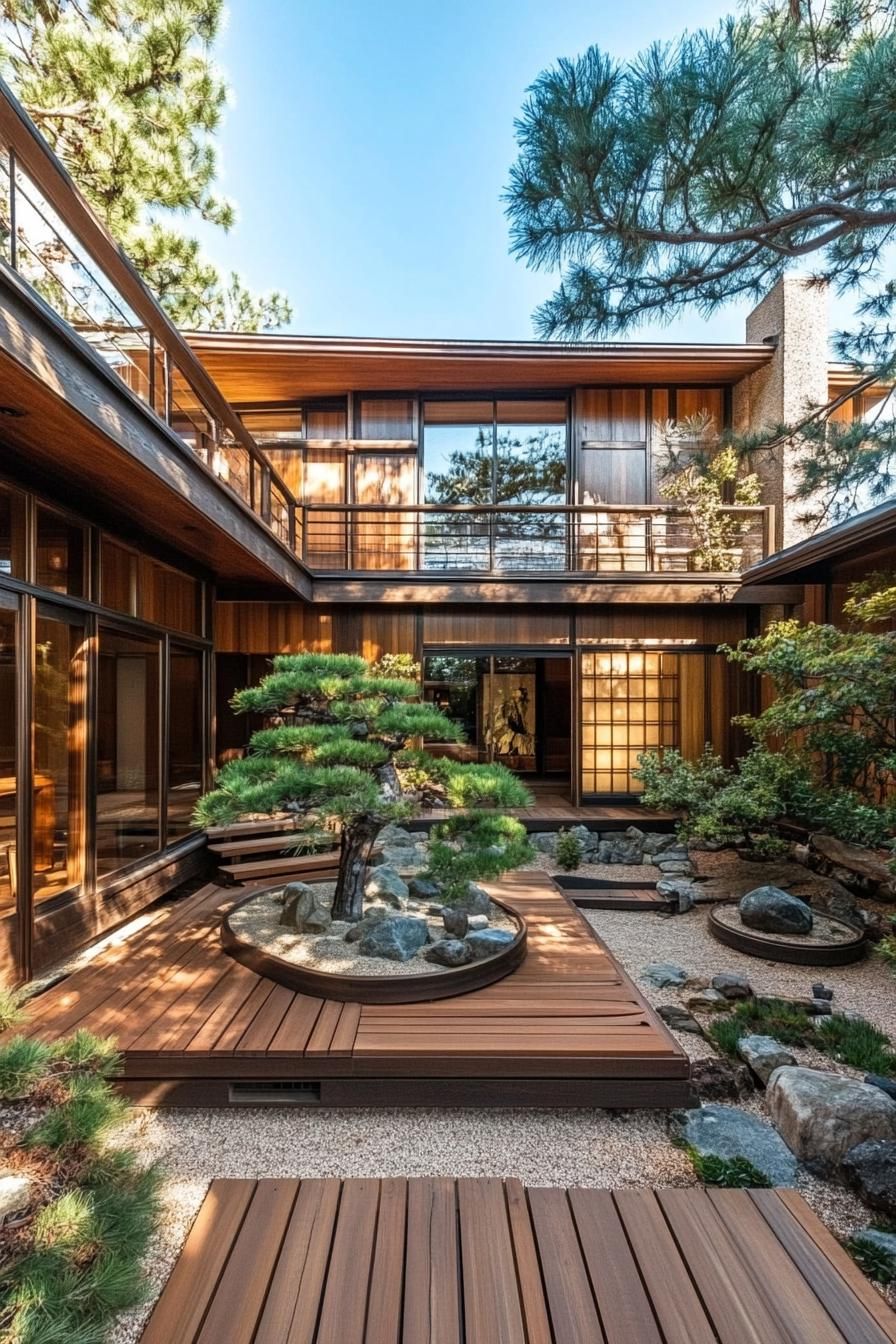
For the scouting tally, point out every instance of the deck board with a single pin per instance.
(183, 1012)
(485, 1261)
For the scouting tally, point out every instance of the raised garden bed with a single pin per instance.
(832, 941)
(440, 983)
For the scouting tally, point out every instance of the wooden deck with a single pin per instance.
(490, 1262)
(551, 810)
(567, 1028)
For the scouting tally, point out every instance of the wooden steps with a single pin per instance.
(317, 867)
(486, 1261)
(252, 851)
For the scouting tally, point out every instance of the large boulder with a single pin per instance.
(655, 843)
(870, 1170)
(385, 884)
(397, 938)
(772, 910)
(822, 1115)
(726, 1132)
(304, 909)
(371, 916)
(488, 942)
(449, 952)
(475, 901)
(763, 1054)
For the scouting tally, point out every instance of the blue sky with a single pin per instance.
(369, 142)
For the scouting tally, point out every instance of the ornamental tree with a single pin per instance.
(824, 750)
(699, 172)
(337, 755)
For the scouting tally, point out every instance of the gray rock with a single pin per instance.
(407, 859)
(681, 890)
(456, 922)
(488, 942)
(385, 884)
(821, 991)
(673, 853)
(304, 910)
(883, 1242)
(763, 1054)
(732, 986)
(663, 974)
(887, 1085)
(725, 1131)
(675, 868)
(870, 1170)
(617, 848)
(422, 889)
(710, 1000)
(16, 1192)
(476, 901)
(370, 917)
(822, 1115)
(772, 910)
(544, 841)
(655, 843)
(392, 834)
(475, 922)
(679, 1019)
(449, 952)
(397, 938)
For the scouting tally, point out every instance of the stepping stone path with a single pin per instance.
(726, 1132)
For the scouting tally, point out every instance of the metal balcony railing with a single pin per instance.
(529, 539)
(50, 238)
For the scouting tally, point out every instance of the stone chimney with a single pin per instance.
(793, 318)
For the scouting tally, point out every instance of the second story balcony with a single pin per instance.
(528, 540)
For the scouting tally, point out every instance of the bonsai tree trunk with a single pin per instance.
(357, 837)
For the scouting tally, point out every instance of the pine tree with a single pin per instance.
(699, 172)
(128, 96)
(338, 756)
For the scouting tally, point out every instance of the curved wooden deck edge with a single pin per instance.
(742, 940)
(427, 988)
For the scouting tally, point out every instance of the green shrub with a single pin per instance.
(22, 1065)
(568, 852)
(856, 1042)
(871, 1259)
(731, 1173)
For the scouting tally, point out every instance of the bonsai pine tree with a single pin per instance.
(338, 756)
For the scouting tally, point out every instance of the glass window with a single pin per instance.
(274, 426)
(387, 418)
(12, 532)
(454, 685)
(127, 730)
(185, 739)
(60, 678)
(530, 448)
(61, 553)
(119, 570)
(458, 454)
(8, 772)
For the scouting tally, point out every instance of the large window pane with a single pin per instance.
(60, 674)
(630, 704)
(119, 575)
(185, 738)
(530, 452)
(454, 685)
(458, 457)
(61, 553)
(12, 532)
(127, 750)
(8, 771)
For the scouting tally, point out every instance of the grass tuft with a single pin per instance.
(855, 1042)
(761, 1017)
(871, 1259)
(729, 1173)
(23, 1063)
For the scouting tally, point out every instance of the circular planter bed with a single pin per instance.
(420, 986)
(832, 941)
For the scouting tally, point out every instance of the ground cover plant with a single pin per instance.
(849, 1040)
(339, 752)
(728, 1173)
(70, 1259)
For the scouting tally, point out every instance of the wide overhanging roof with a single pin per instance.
(862, 535)
(269, 367)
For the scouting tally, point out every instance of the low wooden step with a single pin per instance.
(265, 826)
(259, 845)
(295, 865)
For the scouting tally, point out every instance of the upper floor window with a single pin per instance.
(495, 452)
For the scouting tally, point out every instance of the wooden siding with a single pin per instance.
(433, 1260)
(292, 627)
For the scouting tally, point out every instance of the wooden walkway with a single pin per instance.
(490, 1262)
(567, 1028)
(551, 810)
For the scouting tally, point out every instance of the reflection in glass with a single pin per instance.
(454, 685)
(184, 740)
(61, 553)
(127, 825)
(8, 719)
(12, 532)
(60, 675)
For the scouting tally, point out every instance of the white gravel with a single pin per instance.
(541, 1147)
